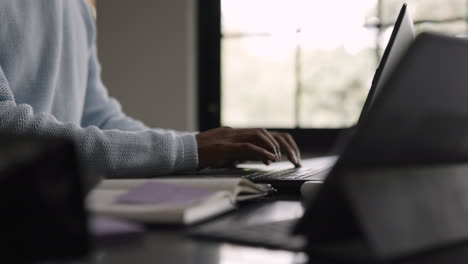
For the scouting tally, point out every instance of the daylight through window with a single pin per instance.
(310, 63)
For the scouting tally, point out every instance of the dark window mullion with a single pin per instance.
(384, 26)
(298, 76)
(245, 35)
(379, 29)
(209, 63)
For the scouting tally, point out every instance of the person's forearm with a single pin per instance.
(110, 152)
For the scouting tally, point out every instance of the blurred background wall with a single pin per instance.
(147, 50)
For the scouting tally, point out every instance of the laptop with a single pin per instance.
(419, 118)
(286, 179)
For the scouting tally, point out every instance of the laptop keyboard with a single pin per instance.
(271, 235)
(309, 174)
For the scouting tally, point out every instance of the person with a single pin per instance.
(50, 84)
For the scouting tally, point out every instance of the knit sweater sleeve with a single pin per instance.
(112, 152)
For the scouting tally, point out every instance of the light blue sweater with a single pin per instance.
(50, 83)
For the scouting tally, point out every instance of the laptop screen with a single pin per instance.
(401, 38)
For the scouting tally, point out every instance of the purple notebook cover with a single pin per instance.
(102, 226)
(163, 193)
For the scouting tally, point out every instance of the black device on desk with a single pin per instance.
(316, 169)
(41, 200)
(401, 186)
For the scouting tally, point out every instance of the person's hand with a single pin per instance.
(225, 146)
(288, 146)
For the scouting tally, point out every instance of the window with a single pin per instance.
(305, 64)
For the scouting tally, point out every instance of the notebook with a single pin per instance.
(284, 177)
(170, 201)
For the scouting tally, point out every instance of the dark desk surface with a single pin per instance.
(171, 245)
(162, 244)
